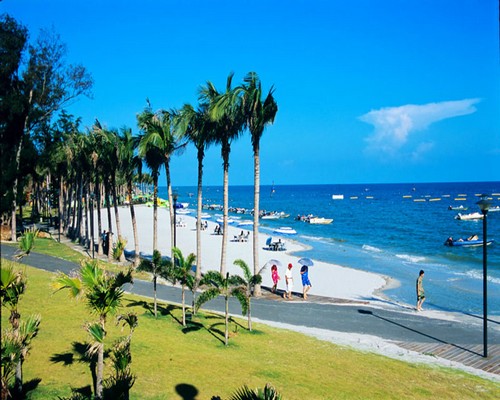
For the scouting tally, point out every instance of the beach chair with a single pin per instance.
(269, 243)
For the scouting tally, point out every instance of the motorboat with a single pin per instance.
(467, 243)
(494, 209)
(469, 217)
(337, 197)
(320, 220)
(458, 208)
(285, 230)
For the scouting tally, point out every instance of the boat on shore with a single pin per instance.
(320, 220)
(469, 217)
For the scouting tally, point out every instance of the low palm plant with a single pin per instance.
(103, 293)
(245, 291)
(119, 248)
(182, 272)
(157, 266)
(27, 242)
(218, 285)
(268, 393)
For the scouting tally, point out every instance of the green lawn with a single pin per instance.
(169, 361)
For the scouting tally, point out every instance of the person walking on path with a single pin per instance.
(420, 290)
(306, 283)
(275, 277)
(289, 282)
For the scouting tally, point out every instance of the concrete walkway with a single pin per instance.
(454, 340)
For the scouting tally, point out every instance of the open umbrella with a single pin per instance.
(272, 262)
(306, 261)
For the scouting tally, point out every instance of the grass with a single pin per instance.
(170, 361)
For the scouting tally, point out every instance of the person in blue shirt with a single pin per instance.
(306, 283)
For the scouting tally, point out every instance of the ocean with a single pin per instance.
(390, 229)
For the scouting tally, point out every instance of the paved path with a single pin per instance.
(458, 340)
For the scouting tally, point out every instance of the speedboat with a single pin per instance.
(467, 243)
(337, 197)
(285, 230)
(458, 208)
(469, 217)
(320, 220)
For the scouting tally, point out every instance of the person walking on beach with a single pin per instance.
(306, 283)
(275, 276)
(289, 282)
(420, 290)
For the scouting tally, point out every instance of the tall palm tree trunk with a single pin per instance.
(110, 225)
(256, 211)
(170, 209)
(60, 208)
(98, 188)
(226, 331)
(117, 215)
(155, 212)
(225, 212)
(134, 226)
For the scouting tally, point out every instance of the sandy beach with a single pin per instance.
(328, 280)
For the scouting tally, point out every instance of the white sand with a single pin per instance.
(327, 280)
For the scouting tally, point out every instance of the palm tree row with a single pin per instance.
(82, 172)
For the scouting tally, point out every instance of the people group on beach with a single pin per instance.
(304, 273)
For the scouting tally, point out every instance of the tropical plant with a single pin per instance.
(157, 266)
(182, 272)
(153, 157)
(131, 166)
(10, 357)
(218, 285)
(119, 248)
(258, 113)
(27, 242)
(244, 293)
(226, 112)
(103, 293)
(198, 128)
(268, 393)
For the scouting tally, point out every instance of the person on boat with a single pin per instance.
(306, 283)
(420, 290)
(473, 237)
(449, 241)
(275, 277)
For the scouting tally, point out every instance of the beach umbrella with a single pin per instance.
(306, 261)
(272, 262)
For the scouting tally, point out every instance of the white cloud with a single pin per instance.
(395, 125)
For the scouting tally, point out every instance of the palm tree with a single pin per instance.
(153, 157)
(245, 393)
(198, 128)
(130, 165)
(219, 285)
(225, 110)
(103, 293)
(182, 272)
(244, 293)
(258, 114)
(159, 133)
(27, 242)
(157, 266)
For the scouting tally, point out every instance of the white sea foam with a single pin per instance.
(372, 248)
(410, 258)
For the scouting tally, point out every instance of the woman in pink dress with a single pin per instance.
(275, 276)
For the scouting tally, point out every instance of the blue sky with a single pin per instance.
(368, 91)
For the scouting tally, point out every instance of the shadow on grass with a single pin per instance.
(63, 358)
(186, 391)
(28, 387)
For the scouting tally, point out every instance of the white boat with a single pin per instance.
(285, 230)
(270, 216)
(337, 197)
(182, 211)
(494, 209)
(320, 220)
(469, 217)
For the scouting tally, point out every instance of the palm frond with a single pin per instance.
(207, 295)
(246, 270)
(240, 294)
(73, 284)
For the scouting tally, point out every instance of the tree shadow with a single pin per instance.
(186, 391)
(62, 358)
(166, 310)
(28, 387)
(149, 307)
(367, 312)
(192, 326)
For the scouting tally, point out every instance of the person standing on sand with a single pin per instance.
(289, 282)
(306, 283)
(276, 278)
(420, 290)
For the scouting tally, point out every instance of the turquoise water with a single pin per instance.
(378, 228)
